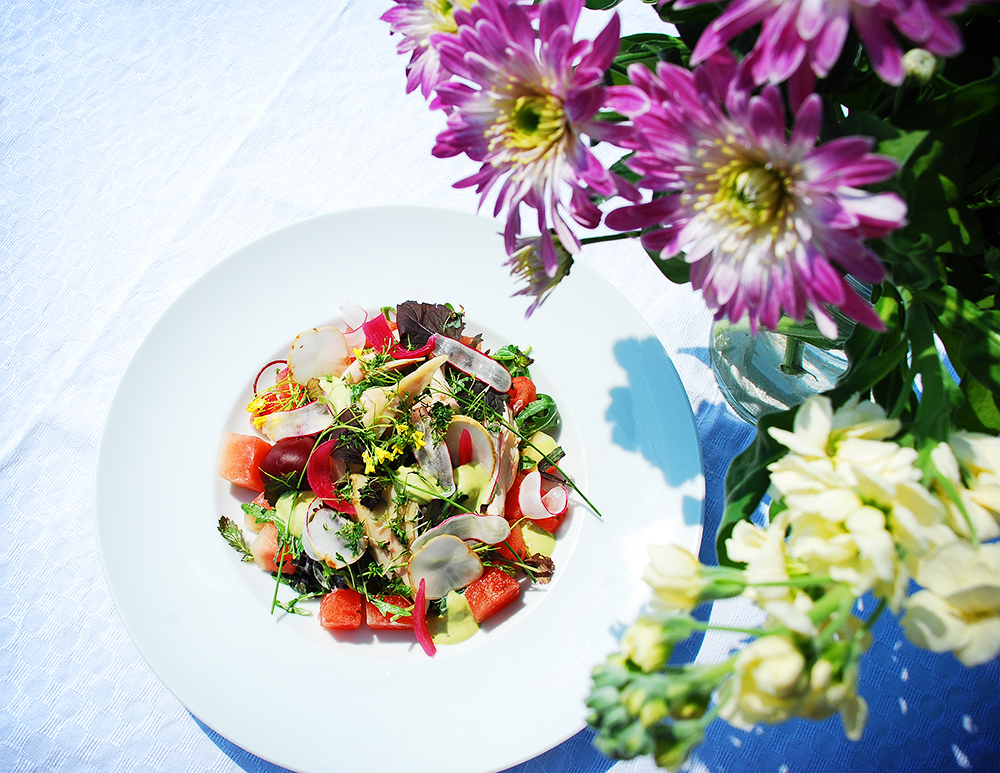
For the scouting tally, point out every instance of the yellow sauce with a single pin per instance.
(537, 539)
(456, 625)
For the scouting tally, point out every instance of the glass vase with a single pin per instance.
(774, 371)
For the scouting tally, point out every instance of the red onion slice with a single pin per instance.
(399, 352)
(420, 621)
(378, 334)
(323, 472)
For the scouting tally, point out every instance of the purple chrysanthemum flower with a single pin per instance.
(416, 21)
(523, 104)
(526, 265)
(762, 217)
(804, 38)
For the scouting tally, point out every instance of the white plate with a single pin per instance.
(280, 686)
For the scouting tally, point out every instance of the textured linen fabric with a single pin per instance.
(142, 143)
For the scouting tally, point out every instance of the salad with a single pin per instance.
(407, 477)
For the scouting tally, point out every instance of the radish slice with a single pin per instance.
(322, 351)
(354, 316)
(356, 339)
(446, 563)
(536, 504)
(507, 463)
(479, 445)
(420, 621)
(281, 374)
(322, 539)
(490, 529)
(378, 334)
(323, 472)
(473, 362)
(307, 420)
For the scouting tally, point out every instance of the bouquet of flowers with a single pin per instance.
(777, 155)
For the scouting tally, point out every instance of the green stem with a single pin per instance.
(610, 237)
(791, 364)
(835, 605)
(794, 582)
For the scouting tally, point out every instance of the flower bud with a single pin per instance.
(675, 742)
(919, 65)
(648, 644)
(652, 712)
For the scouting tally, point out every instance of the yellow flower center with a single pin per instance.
(444, 13)
(755, 194)
(531, 127)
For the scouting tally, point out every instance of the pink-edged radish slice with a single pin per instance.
(319, 352)
(356, 340)
(507, 464)
(537, 501)
(420, 628)
(354, 316)
(490, 529)
(468, 441)
(329, 536)
(473, 362)
(324, 472)
(446, 563)
(307, 420)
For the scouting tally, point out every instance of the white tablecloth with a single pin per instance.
(142, 142)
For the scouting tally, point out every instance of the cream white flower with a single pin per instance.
(979, 502)
(827, 447)
(828, 694)
(959, 609)
(674, 574)
(817, 428)
(763, 551)
(644, 644)
(768, 683)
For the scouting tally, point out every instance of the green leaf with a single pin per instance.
(965, 103)
(980, 412)
(601, 5)
(540, 415)
(938, 390)
(871, 355)
(232, 533)
(890, 140)
(933, 181)
(676, 269)
(979, 331)
(748, 478)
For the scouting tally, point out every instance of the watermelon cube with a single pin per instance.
(340, 610)
(491, 593)
(240, 458)
(378, 621)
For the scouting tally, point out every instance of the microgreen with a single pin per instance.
(234, 536)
